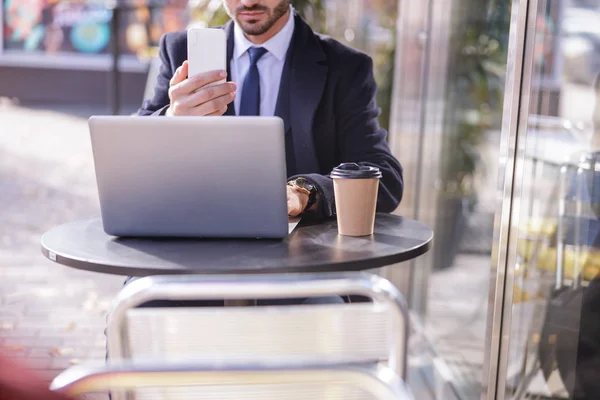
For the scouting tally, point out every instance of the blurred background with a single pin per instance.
(441, 67)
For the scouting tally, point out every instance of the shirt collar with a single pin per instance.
(277, 45)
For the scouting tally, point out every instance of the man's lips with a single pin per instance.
(251, 14)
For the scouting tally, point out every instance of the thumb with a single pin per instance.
(180, 74)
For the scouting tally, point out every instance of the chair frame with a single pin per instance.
(197, 287)
(379, 381)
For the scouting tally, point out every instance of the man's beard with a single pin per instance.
(259, 28)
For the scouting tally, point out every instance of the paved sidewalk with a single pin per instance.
(50, 316)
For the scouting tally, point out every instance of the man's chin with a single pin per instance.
(253, 29)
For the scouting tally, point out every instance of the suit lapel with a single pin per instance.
(308, 75)
(282, 110)
(230, 43)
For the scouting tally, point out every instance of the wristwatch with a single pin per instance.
(302, 185)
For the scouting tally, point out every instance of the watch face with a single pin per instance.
(302, 183)
(306, 185)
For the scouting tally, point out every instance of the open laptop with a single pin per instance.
(213, 177)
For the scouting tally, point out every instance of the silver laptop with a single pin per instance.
(214, 177)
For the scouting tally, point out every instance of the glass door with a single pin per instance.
(445, 129)
(548, 310)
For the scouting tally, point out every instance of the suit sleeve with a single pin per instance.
(159, 102)
(362, 140)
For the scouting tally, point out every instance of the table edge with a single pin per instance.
(352, 266)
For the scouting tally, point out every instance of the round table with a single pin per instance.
(309, 248)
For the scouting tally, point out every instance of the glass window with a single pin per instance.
(554, 347)
(447, 119)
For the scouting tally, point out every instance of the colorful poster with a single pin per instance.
(22, 20)
(80, 26)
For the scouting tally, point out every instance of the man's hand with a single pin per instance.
(191, 97)
(296, 201)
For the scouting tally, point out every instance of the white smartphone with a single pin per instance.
(207, 51)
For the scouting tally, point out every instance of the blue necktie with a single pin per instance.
(250, 103)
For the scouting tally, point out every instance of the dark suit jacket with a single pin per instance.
(327, 101)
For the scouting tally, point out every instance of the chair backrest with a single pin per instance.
(197, 382)
(354, 333)
(316, 335)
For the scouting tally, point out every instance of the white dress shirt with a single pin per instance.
(270, 65)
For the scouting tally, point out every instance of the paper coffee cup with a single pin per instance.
(355, 189)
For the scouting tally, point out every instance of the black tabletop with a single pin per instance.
(309, 248)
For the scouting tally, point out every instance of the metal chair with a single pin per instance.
(151, 381)
(322, 335)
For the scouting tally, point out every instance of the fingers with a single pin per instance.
(180, 74)
(218, 113)
(194, 96)
(213, 106)
(206, 78)
(194, 83)
(207, 94)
